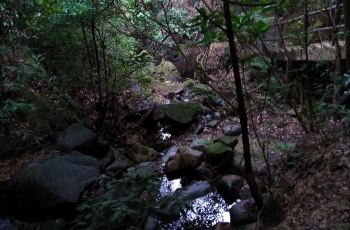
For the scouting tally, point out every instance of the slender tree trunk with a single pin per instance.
(249, 174)
(346, 10)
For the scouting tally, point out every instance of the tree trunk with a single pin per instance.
(249, 174)
(346, 10)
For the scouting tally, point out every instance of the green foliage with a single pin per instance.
(13, 109)
(248, 25)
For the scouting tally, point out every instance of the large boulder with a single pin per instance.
(53, 182)
(78, 137)
(181, 112)
(167, 71)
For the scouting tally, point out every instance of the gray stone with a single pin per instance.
(74, 137)
(200, 144)
(53, 180)
(243, 213)
(208, 117)
(217, 116)
(229, 187)
(195, 190)
(213, 123)
(169, 153)
(232, 130)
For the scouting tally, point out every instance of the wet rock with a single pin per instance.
(243, 213)
(6, 224)
(232, 130)
(217, 116)
(169, 153)
(78, 137)
(213, 123)
(208, 117)
(140, 153)
(180, 112)
(227, 140)
(53, 181)
(195, 190)
(229, 187)
(200, 144)
(186, 194)
(218, 152)
(185, 161)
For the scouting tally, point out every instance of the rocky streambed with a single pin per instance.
(180, 181)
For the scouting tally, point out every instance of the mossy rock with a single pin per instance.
(227, 140)
(200, 144)
(182, 112)
(218, 152)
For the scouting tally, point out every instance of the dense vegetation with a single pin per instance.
(112, 65)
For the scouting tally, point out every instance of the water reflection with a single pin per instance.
(163, 135)
(202, 213)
